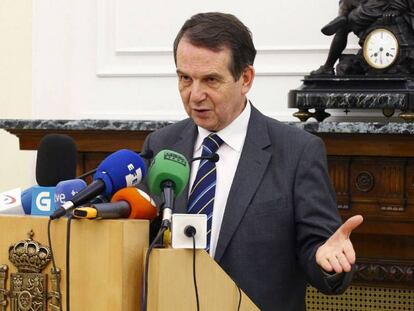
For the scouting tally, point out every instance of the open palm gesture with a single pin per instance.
(337, 254)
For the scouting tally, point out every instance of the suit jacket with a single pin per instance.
(280, 208)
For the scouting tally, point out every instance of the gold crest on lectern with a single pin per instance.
(28, 287)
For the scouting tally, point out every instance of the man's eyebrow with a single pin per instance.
(213, 75)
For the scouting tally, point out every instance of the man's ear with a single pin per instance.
(247, 78)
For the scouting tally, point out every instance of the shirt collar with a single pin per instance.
(233, 134)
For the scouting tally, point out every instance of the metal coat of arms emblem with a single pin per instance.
(28, 287)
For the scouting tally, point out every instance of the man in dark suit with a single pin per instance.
(275, 225)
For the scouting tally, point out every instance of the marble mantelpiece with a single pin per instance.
(147, 125)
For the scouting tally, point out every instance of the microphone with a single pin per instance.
(103, 211)
(11, 203)
(168, 175)
(214, 157)
(26, 199)
(64, 191)
(99, 199)
(129, 202)
(147, 154)
(56, 161)
(67, 189)
(121, 169)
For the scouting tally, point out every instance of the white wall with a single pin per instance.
(113, 59)
(15, 89)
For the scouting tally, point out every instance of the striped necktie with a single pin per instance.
(201, 198)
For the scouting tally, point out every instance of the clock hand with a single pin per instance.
(380, 55)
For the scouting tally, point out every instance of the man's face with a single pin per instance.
(209, 93)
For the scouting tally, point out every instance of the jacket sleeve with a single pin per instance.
(316, 216)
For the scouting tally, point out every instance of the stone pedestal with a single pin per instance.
(388, 93)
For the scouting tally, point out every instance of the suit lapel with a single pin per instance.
(185, 146)
(250, 170)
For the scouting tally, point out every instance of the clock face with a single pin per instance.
(380, 48)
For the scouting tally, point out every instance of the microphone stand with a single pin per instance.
(168, 206)
(214, 157)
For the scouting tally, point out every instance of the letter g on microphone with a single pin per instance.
(42, 201)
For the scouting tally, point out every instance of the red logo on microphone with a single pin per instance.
(8, 199)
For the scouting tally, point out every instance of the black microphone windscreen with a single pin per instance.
(56, 160)
(215, 157)
(147, 154)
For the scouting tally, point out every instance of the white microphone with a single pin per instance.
(11, 203)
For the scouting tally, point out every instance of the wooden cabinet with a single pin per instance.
(373, 175)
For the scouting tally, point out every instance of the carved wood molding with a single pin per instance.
(86, 140)
(384, 272)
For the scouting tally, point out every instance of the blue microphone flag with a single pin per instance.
(121, 169)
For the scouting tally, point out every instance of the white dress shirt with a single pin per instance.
(229, 152)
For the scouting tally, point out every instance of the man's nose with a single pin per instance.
(198, 92)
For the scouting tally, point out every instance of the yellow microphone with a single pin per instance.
(85, 212)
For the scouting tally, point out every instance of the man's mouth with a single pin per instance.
(200, 110)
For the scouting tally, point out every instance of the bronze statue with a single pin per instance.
(358, 16)
(379, 76)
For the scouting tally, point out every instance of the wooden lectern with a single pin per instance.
(106, 258)
(171, 285)
(106, 267)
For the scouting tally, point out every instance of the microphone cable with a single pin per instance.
(54, 263)
(194, 274)
(240, 297)
(190, 231)
(84, 175)
(146, 269)
(68, 231)
(67, 260)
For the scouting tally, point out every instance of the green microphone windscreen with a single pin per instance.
(168, 165)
